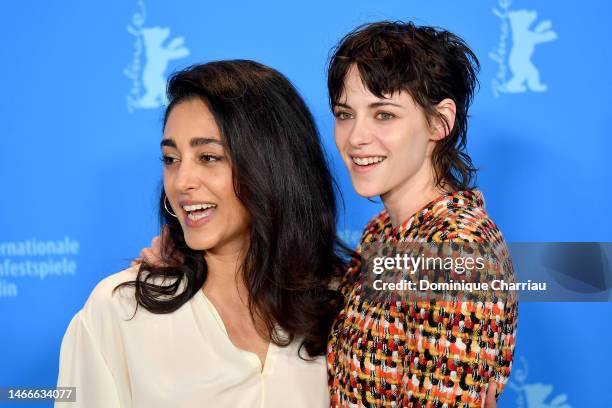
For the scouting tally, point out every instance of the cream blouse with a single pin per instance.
(180, 359)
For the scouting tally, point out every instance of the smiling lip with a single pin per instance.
(198, 217)
(205, 217)
(365, 168)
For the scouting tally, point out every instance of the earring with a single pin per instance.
(166, 207)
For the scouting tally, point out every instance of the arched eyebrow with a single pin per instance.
(195, 142)
(383, 103)
(372, 105)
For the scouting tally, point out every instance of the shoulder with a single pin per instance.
(107, 291)
(375, 228)
(372, 232)
(98, 323)
(93, 351)
(108, 301)
(463, 218)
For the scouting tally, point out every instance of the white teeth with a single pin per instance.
(195, 217)
(364, 161)
(196, 207)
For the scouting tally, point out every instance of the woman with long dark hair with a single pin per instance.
(238, 309)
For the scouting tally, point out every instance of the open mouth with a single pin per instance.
(368, 161)
(196, 212)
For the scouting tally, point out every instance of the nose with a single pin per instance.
(361, 132)
(186, 177)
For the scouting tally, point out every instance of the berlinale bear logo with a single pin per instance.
(525, 75)
(148, 82)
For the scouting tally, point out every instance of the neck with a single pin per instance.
(224, 279)
(404, 200)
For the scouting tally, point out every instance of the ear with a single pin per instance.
(447, 109)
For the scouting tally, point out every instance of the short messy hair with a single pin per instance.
(431, 64)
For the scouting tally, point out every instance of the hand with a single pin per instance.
(152, 254)
(488, 400)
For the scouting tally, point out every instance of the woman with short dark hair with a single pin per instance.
(400, 95)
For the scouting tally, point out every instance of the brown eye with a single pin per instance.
(210, 158)
(168, 160)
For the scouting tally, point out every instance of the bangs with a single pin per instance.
(386, 64)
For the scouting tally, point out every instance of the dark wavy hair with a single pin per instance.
(282, 178)
(431, 64)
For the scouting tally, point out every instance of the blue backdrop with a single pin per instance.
(83, 83)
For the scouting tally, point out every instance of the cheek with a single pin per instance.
(340, 136)
(407, 153)
(237, 217)
(167, 184)
(220, 182)
(243, 218)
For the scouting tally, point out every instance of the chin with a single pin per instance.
(197, 243)
(365, 190)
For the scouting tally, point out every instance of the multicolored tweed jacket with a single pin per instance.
(422, 353)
